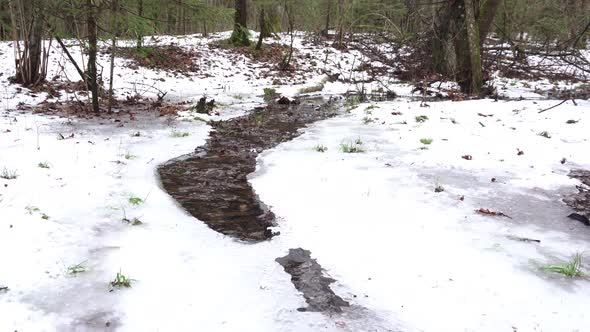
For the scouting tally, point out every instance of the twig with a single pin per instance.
(554, 106)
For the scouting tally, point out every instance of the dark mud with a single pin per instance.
(580, 201)
(212, 183)
(306, 275)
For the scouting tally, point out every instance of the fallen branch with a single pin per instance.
(554, 106)
(523, 239)
(70, 57)
(492, 213)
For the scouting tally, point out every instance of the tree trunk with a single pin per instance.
(27, 21)
(340, 34)
(170, 17)
(241, 17)
(328, 13)
(139, 32)
(70, 19)
(486, 18)
(411, 12)
(92, 51)
(444, 34)
(456, 43)
(115, 28)
(263, 30)
(475, 76)
(240, 35)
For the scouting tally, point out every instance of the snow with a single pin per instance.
(375, 222)
(405, 257)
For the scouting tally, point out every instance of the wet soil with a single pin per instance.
(580, 201)
(306, 275)
(212, 183)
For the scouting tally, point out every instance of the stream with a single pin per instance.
(212, 182)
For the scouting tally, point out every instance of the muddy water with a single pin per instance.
(306, 275)
(211, 183)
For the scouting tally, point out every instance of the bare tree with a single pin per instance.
(338, 43)
(475, 73)
(115, 35)
(91, 26)
(459, 30)
(30, 56)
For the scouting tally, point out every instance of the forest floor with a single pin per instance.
(426, 215)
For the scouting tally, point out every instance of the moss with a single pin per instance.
(240, 37)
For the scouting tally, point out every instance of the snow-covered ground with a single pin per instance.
(405, 257)
(375, 222)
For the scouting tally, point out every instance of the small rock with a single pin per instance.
(284, 101)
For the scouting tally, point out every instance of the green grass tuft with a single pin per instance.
(320, 148)
(426, 141)
(367, 120)
(179, 134)
(421, 118)
(353, 147)
(8, 174)
(31, 209)
(135, 200)
(43, 165)
(129, 156)
(352, 102)
(571, 269)
(270, 93)
(77, 268)
(121, 280)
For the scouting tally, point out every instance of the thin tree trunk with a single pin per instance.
(411, 19)
(340, 34)
(139, 32)
(328, 12)
(27, 22)
(263, 30)
(92, 52)
(115, 27)
(476, 76)
(169, 17)
(486, 18)
(71, 58)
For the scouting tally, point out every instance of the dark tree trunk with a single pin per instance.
(70, 19)
(241, 17)
(444, 58)
(140, 33)
(27, 21)
(456, 43)
(486, 18)
(5, 22)
(263, 30)
(92, 51)
(328, 13)
(115, 28)
(339, 42)
(170, 17)
(411, 15)
(475, 75)
(240, 35)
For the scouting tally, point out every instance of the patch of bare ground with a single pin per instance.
(272, 57)
(580, 201)
(171, 58)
